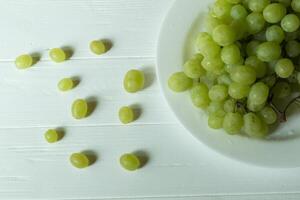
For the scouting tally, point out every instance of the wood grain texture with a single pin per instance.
(178, 166)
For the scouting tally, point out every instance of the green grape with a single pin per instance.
(179, 82)
(24, 61)
(290, 23)
(252, 47)
(202, 40)
(65, 84)
(255, 22)
(209, 79)
(211, 23)
(130, 162)
(259, 93)
(134, 81)
(221, 9)
(257, 5)
(252, 106)
(259, 66)
(198, 57)
(268, 115)
(79, 109)
(57, 55)
(296, 5)
(233, 123)
(224, 79)
(215, 106)
(230, 105)
(231, 54)
(275, 34)
(286, 3)
(98, 47)
(281, 90)
(292, 48)
(218, 93)
(254, 126)
(79, 160)
(224, 35)
(207, 46)
(238, 91)
(269, 51)
(284, 68)
(269, 81)
(215, 120)
(52, 136)
(126, 115)
(260, 36)
(238, 12)
(213, 64)
(199, 96)
(243, 74)
(240, 27)
(234, 1)
(193, 68)
(274, 12)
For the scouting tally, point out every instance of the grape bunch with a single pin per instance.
(247, 60)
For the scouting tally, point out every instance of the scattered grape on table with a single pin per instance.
(130, 162)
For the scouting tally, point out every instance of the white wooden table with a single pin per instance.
(179, 167)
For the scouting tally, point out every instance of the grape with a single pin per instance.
(198, 57)
(211, 23)
(292, 48)
(179, 82)
(238, 91)
(126, 115)
(199, 96)
(268, 115)
(215, 106)
(224, 35)
(268, 51)
(79, 160)
(269, 80)
(202, 40)
(214, 65)
(284, 68)
(65, 84)
(257, 5)
(255, 22)
(224, 79)
(134, 81)
(259, 93)
(260, 36)
(252, 47)
(254, 126)
(24, 61)
(238, 12)
(275, 34)
(79, 109)
(286, 3)
(97, 47)
(52, 136)
(215, 120)
(207, 46)
(254, 107)
(234, 1)
(296, 5)
(233, 123)
(281, 90)
(221, 9)
(240, 27)
(130, 162)
(57, 55)
(259, 66)
(274, 12)
(231, 54)
(218, 93)
(244, 75)
(193, 68)
(290, 23)
(230, 105)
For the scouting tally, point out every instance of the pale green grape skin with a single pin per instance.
(292, 48)
(57, 55)
(254, 126)
(296, 5)
(198, 57)
(130, 162)
(224, 35)
(207, 46)
(259, 66)
(243, 74)
(252, 47)
(215, 120)
(257, 5)
(274, 12)
(238, 12)
(231, 54)
(254, 107)
(65, 84)
(199, 96)
(218, 93)
(79, 109)
(255, 22)
(268, 115)
(98, 47)
(238, 91)
(211, 23)
(290, 23)
(193, 68)
(224, 79)
(126, 115)
(213, 64)
(230, 105)
(134, 80)
(275, 34)
(284, 68)
(233, 123)
(79, 160)
(281, 90)
(179, 82)
(259, 93)
(51, 136)
(24, 61)
(215, 106)
(269, 51)
(221, 9)
(202, 39)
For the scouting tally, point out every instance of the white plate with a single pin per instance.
(182, 23)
